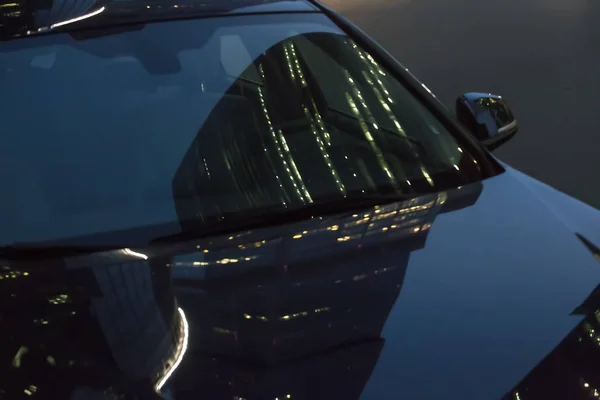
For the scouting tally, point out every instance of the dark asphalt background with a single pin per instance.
(543, 56)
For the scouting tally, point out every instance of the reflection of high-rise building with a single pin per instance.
(299, 310)
(224, 170)
(84, 326)
(253, 160)
(305, 328)
(306, 125)
(126, 297)
(570, 371)
(41, 312)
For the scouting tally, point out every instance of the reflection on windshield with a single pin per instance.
(193, 121)
(315, 115)
(381, 223)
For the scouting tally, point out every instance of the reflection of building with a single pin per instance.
(299, 313)
(126, 298)
(272, 310)
(570, 371)
(293, 138)
(34, 304)
(84, 328)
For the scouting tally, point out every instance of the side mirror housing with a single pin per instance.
(487, 117)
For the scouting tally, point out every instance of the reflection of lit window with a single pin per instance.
(384, 216)
(365, 128)
(197, 263)
(17, 358)
(30, 390)
(315, 119)
(59, 299)
(12, 274)
(292, 316)
(281, 148)
(593, 334)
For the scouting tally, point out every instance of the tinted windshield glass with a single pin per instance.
(191, 120)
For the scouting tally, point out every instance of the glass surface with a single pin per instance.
(191, 120)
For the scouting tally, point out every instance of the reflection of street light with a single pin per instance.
(77, 19)
(181, 349)
(130, 252)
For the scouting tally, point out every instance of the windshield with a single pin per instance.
(188, 121)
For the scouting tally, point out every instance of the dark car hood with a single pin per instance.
(482, 292)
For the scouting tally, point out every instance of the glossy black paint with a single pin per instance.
(488, 117)
(485, 292)
(375, 305)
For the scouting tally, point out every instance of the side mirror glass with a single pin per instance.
(487, 117)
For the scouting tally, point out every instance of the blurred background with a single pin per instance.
(541, 55)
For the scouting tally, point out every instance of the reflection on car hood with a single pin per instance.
(477, 293)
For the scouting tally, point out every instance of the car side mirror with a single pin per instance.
(487, 117)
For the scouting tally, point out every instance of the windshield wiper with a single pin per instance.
(273, 216)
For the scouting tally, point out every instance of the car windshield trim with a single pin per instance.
(334, 207)
(265, 218)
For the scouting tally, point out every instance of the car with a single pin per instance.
(251, 199)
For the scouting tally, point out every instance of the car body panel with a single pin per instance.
(468, 289)
(480, 292)
(577, 215)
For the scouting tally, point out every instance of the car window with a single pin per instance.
(192, 120)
